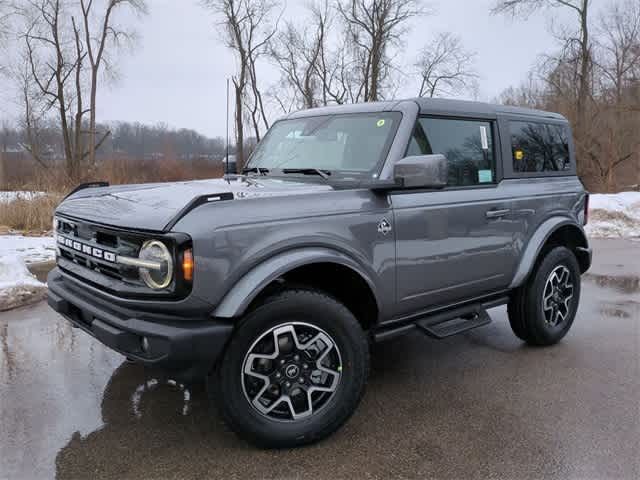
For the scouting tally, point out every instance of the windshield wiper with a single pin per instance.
(309, 171)
(258, 170)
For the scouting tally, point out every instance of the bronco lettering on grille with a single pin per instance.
(87, 249)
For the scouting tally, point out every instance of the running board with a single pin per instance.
(453, 322)
(440, 323)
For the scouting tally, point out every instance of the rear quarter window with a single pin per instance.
(539, 147)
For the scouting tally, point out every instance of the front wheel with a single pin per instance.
(294, 371)
(542, 311)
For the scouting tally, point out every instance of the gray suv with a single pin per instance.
(349, 225)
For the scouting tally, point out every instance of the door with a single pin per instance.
(457, 243)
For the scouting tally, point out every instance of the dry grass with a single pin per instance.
(30, 216)
(34, 216)
(116, 171)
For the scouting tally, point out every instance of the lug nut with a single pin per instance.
(301, 380)
(278, 375)
(288, 384)
(282, 361)
(296, 358)
(305, 366)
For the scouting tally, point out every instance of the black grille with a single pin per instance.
(96, 248)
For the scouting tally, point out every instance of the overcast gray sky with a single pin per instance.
(177, 74)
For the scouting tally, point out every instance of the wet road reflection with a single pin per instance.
(477, 405)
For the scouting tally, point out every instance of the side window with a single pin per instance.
(467, 144)
(539, 147)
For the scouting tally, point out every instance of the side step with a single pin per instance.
(453, 322)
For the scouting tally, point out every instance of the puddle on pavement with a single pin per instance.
(627, 284)
(615, 312)
(59, 386)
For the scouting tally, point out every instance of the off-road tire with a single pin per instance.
(525, 309)
(225, 384)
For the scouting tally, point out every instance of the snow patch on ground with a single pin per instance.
(10, 196)
(614, 215)
(18, 286)
(29, 249)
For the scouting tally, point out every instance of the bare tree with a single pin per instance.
(246, 33)
(296, 52)
(33, 111)
(618, 47)
(65, 59)
(4, 19)
(607, 118)
(528, 94)
(617, 60)
(308, 65)
(581, 40)
(445, 67)
(374, 28)
(107, 35)
(55, 62)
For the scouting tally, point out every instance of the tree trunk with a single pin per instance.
(375, 76)
(92, 117)
(585, 59)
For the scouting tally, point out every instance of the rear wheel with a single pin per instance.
(542, 311)
(294, 371)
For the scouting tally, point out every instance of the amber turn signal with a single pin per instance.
(187, 265)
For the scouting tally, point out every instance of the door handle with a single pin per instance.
(497, 213)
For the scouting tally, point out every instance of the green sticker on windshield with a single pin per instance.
(380, 123)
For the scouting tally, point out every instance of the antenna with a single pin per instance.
(227, 159)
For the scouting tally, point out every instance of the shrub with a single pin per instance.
(32, 216)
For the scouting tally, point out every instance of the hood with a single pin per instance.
(158, 206)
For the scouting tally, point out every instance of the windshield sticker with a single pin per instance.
(381, 122)
(519, 154)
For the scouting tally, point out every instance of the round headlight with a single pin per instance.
(156, 251)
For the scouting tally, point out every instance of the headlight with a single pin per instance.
(156, 251)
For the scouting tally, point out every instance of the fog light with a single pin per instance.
(144, 344)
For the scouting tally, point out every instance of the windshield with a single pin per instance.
(348, 144)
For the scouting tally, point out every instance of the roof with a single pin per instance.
(431, 106)
(436, 105)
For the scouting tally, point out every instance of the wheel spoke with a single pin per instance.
(269, 409)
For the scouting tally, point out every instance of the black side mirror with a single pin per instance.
(422, 171)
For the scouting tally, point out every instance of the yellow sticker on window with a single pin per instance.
(519, 154)
(380, 123)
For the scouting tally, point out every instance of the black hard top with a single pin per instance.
(433, 106)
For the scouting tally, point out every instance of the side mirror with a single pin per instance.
(422, 171)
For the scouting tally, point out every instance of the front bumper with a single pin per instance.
(185, 349)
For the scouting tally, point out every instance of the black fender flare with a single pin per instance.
(240, 296)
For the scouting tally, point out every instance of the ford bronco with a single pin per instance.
(349, 225)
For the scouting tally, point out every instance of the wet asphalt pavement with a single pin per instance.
(478, 405)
